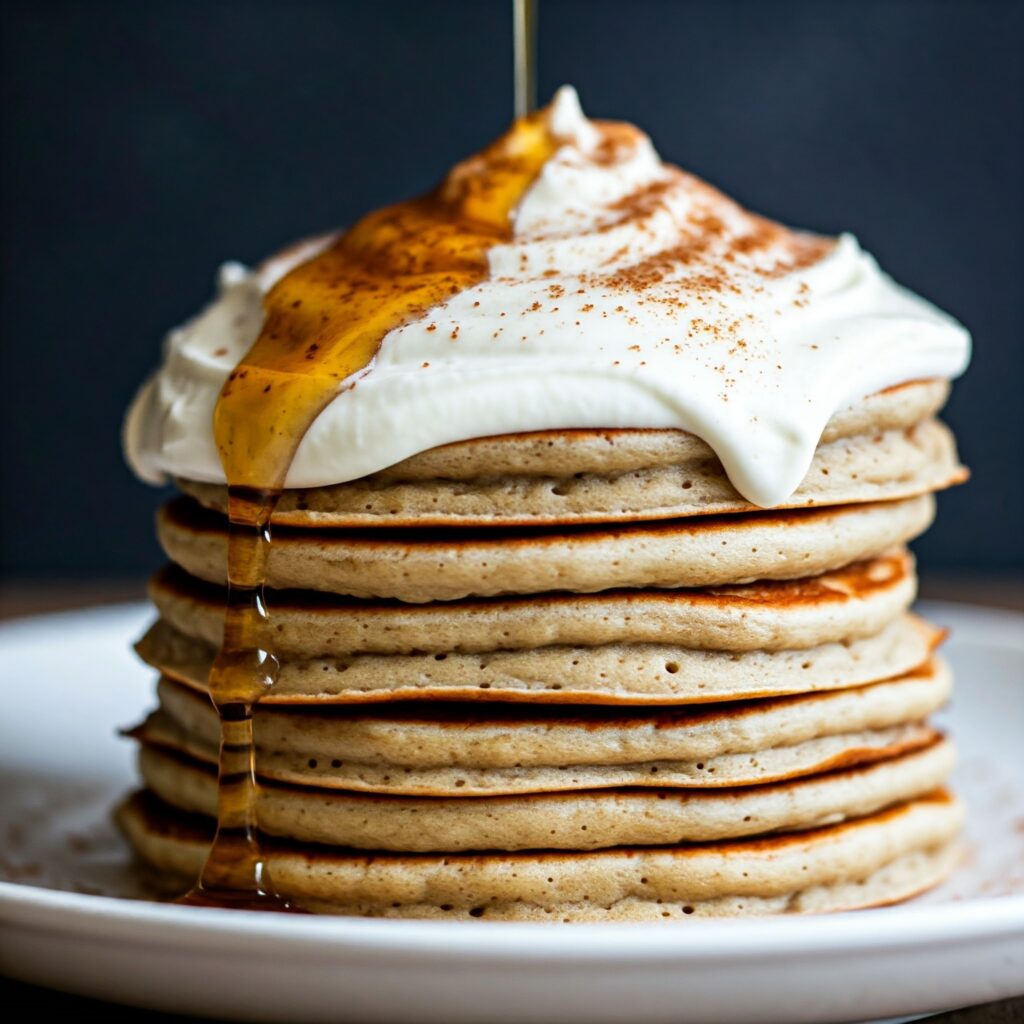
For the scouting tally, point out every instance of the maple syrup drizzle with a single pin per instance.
(324, 322)
(234, 874)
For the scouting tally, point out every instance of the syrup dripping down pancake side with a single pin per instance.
(324, 324)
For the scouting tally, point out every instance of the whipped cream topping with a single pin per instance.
(631, 294)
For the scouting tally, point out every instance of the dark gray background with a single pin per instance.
(143, 143)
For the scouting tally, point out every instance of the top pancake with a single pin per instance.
(884, 448)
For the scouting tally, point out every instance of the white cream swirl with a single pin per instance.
(631, 295)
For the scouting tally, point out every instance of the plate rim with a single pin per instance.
(998, 917)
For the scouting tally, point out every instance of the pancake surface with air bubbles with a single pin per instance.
(873, 860)
(844, 628)
(451, 565)
(572, 820)
(453, 750)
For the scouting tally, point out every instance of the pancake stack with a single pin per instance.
(575, 676)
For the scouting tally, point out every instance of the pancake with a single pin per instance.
(458, 750)
(878, 466)
(563, 453)
(854, 602)
(566, 674)
(873, 860)
(884, 446)
(450, 565)
(623, 674)
(584, 820)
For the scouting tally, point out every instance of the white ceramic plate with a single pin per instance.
(67, 918)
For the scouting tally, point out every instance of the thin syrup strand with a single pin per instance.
(524, 32)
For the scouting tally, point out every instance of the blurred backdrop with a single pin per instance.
(144, 143)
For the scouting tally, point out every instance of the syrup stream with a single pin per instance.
(234, 874)
(524, 31)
